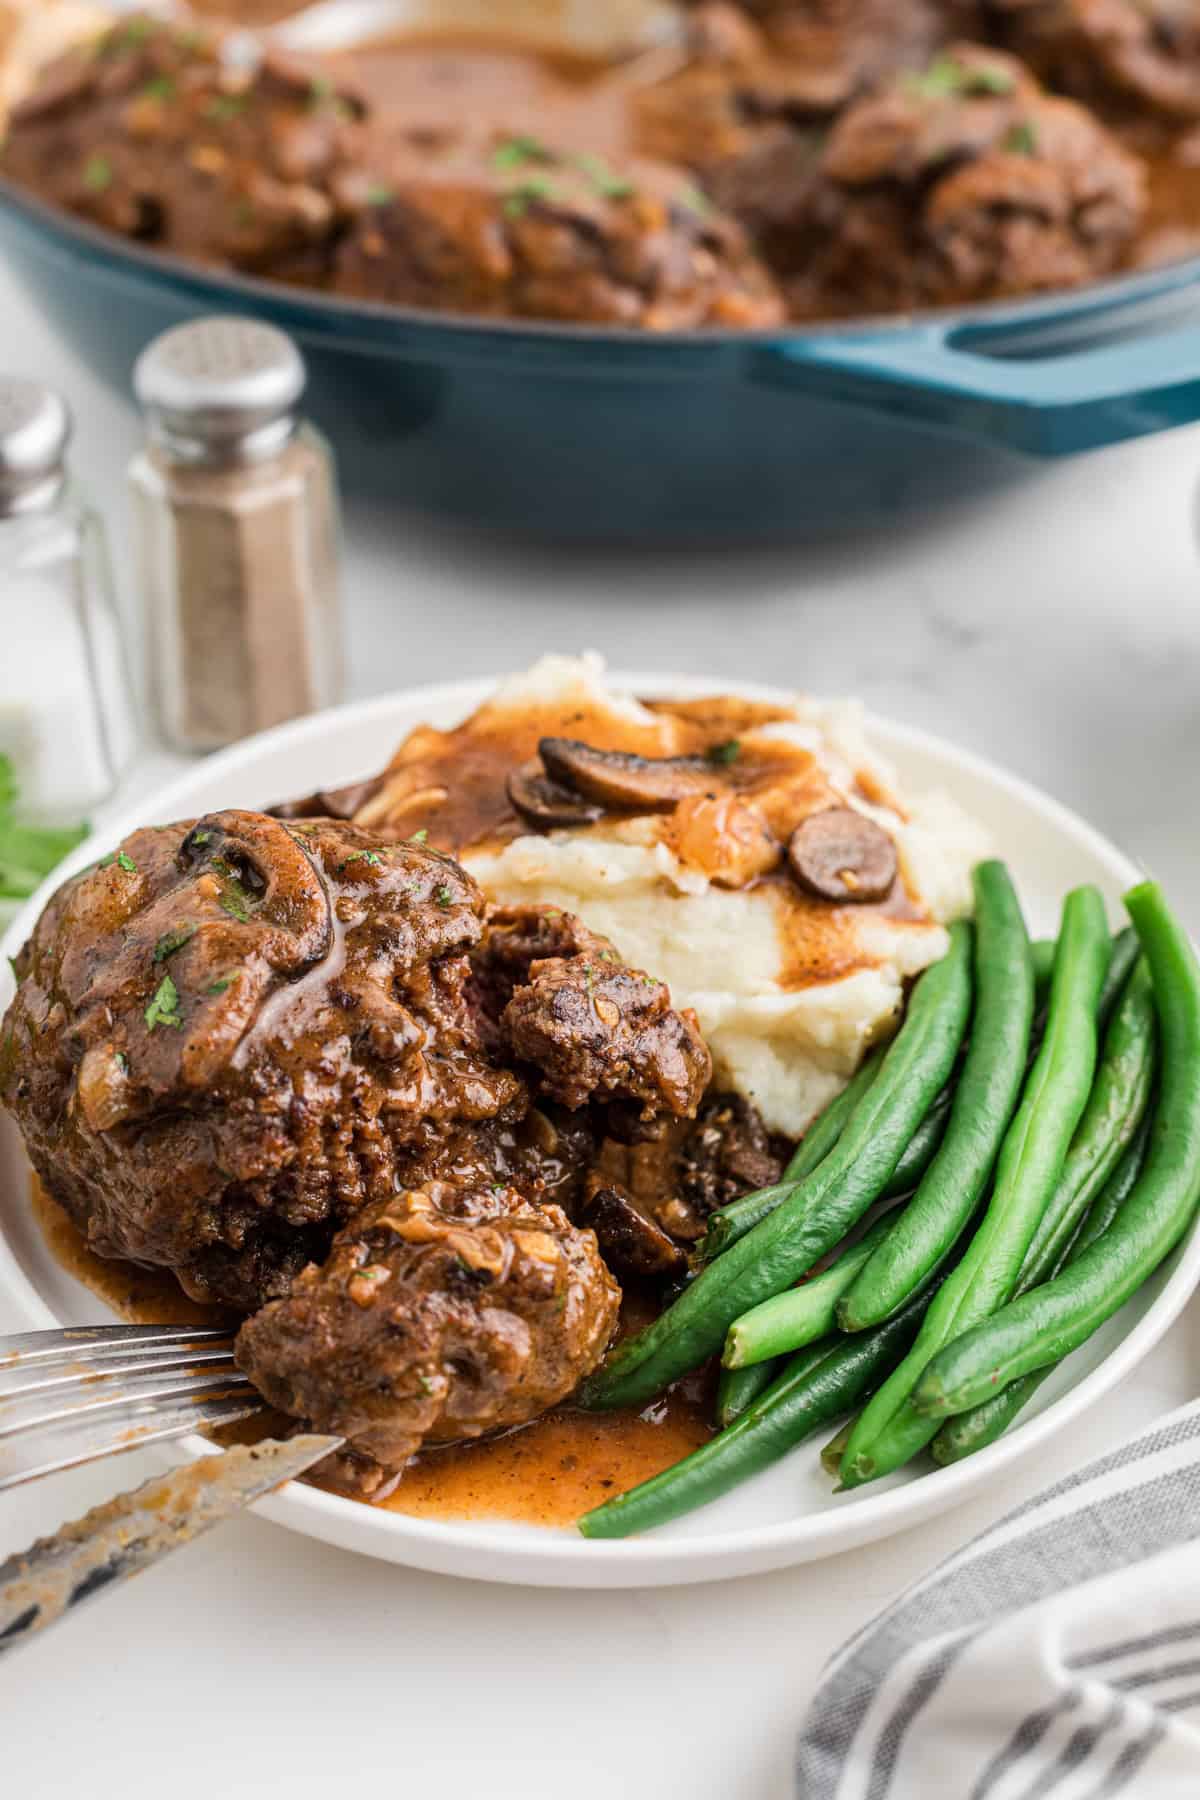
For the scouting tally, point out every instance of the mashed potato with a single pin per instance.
(790, 991)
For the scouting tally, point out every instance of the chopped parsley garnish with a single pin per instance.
(372, 857)
(121, 859)
(527, 195)
(122, 1061)
(225, 106)
(171, 941)
(201, 837)
(723, 754)
(380, 194)
(606, 181)
(515, 152)
(97, 174)
(27, 852)
(127, 37)
(220, 984)
(164, 1008)
(694, 200)
(161, 88)
(445, 898)
(234, 898)
(1022, 140)
(420, 837)
(946, 77)
(320, 89)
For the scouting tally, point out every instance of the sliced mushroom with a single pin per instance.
(544, 803)
(328, 803)
(842, 856)
(621, 778)
(629, 1240)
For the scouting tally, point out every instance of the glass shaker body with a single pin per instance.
(239, 574)
(66, 718)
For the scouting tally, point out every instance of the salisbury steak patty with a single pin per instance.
(227, 1037)
(438, 1315)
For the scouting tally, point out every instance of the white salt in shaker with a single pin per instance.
(66, 721)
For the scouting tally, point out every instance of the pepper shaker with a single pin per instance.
(236, 505)
(66, 719)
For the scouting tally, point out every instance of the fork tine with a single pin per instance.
(89, 1343)
(141, 1394)
(67, 1447)
(21, 1380)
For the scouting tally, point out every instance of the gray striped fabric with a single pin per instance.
(1057, 1657)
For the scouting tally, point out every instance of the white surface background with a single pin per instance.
(1055, 629)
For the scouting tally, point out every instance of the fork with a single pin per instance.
(73, 1396)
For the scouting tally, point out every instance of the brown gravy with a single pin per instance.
(545, 1473)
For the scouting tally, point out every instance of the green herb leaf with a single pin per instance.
(694, 200)
(234, 899)
(171, 941)
(946, 77)
(606, 181)
(219, 986)
(723, 754)
(126, 862)
(122, 1061)
(420, 837)
(201, 837)
(368, 856)
(97, 174)
(226, 106)
(380, 194)
(445, 898)
(161, 88)
(164, 1008)
(515, 152)
(1022, 140)
(527, 195)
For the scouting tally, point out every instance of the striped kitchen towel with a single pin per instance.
(1057, 1657)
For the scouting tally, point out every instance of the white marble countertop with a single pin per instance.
(1055, 629)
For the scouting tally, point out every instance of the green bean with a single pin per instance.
(1114, 1111)
(965, 1433)
(732, 1222)
(823, 1209)
(816, 1386)
(802, 1314)
(1125, 953)
(831, 1455)
(984, 1102)
(1051, 1321)
(739, 1388)
(825, 1131)
(1041, 952)
(891, 1430)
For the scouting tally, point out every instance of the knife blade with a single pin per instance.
(120, 1537)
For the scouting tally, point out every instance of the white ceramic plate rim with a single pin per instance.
(557, 1559)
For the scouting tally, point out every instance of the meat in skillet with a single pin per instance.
(440, 1314)
(496, 223)
(147, 134)
(1144, 54)
(963, 182)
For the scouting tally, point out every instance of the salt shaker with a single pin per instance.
(66, 719)
(236, 505)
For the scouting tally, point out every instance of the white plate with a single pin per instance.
(789, 1514)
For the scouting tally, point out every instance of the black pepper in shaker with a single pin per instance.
(236, 504)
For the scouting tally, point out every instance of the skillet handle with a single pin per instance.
(1042, 405)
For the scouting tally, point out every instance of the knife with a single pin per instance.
(121, 1537)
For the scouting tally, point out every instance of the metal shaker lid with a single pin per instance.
(220, 389)
(35, 429)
